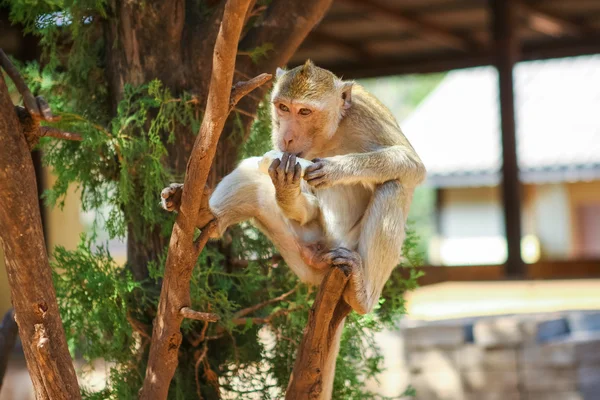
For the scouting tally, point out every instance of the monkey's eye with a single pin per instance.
(304, 111)
(284, 108)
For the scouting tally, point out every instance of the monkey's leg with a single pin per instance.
(248, 194)
(379, 246)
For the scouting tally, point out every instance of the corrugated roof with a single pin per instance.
(456, 129)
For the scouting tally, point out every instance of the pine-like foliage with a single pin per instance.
(119, 169)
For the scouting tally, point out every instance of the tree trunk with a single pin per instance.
(29, 275)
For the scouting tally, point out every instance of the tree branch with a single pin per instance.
(241, 89)
(267, 319)
(183, 251)
(249, 310)
(308, 379)
(28, 99)
(187, 312)
(29, 274)
(58, 134)
(36, 109)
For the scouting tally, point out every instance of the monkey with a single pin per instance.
(349, 207)
(357, 192)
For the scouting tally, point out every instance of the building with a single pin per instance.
(456, 130)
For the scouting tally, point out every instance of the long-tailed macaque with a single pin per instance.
(349, 207)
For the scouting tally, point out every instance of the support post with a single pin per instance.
(506, 54)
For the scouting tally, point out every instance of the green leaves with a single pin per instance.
(93, 291)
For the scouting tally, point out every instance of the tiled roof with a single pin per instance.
(456, 129)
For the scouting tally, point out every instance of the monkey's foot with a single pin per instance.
(355, 293)
(170, 197)
(343, 256)
(171, 201)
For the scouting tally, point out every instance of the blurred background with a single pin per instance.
(501, 99)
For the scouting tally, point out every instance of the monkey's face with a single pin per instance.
(301, 127)
(307, 105)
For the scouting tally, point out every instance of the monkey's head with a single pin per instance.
(308, 104)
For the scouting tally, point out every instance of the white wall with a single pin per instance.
(553, 220)
(471, 230)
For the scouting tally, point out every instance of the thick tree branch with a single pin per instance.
(329, 310)
(183, 251)
(29, 275)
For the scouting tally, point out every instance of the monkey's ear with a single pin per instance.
(346, 89)
(279, 72)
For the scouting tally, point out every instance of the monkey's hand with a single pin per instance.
(324, 173)
(285, 174)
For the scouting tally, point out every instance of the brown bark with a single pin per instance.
(29, 275)
(327, 314)
(183, 250)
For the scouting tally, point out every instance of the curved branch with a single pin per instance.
(183, 250)
(249, 310)
(318, 343)
(58, 134)
(241, 89)
(28, 99)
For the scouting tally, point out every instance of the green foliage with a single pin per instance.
(93, 292)
(260, 52)
(121, 166)
(95, 295)
(259, 141)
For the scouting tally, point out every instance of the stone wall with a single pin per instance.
(524, 357)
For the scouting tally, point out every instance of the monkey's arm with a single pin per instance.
(399, 162)
(302, 208)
